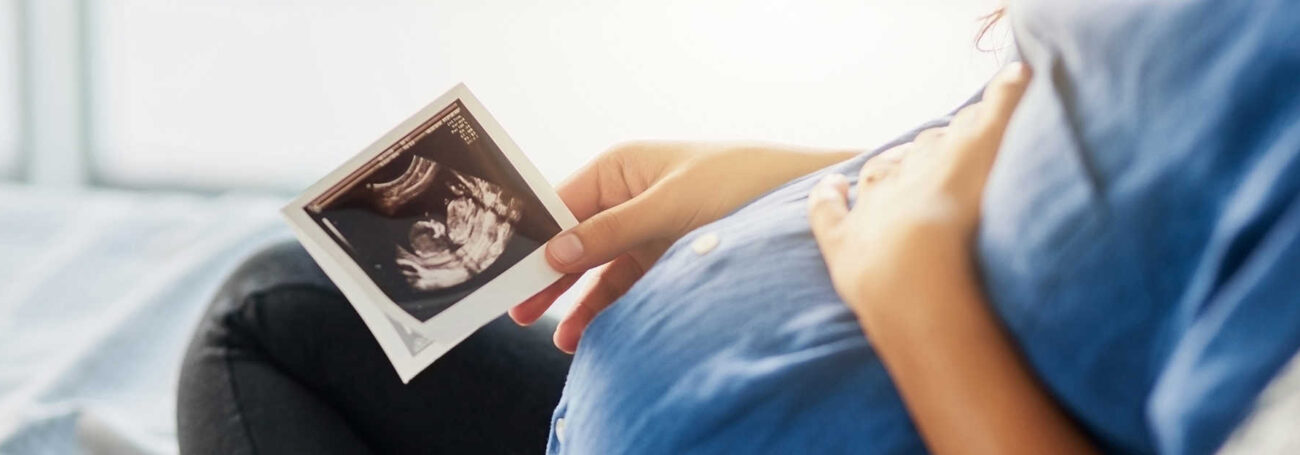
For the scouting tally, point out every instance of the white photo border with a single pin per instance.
(451, 326)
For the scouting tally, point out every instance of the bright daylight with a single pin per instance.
(649, 227)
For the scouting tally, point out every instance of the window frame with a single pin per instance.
(12, 168)
(54, 100)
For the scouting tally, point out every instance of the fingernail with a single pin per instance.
(1016, 70)
(825, 189)
(832, 179)
(823, 193)
(565, 248)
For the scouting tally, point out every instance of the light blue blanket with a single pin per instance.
(99, 294)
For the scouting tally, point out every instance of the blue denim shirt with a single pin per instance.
(1140, 242)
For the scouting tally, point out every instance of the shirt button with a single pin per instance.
(559, 429)
(705, 243)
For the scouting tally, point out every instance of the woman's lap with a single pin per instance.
(282, 364)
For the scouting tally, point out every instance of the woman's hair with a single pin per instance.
(987, 22)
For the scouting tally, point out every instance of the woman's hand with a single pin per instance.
(635, 200)
(901, 259)
(918, 204)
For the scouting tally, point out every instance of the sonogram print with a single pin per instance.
(391, 195)
(436, 215)
(443, 253)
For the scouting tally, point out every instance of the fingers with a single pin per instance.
(614, 281)
(874, 173)
(615, 209)
(925, 145)
(967, 115)
(929, 136)
(609, 233)
(532, 309)
(583, 192)
(893, 155)
(1003, 94)
(979, 127)
(828, 205)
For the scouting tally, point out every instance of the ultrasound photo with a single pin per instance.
(435, 216)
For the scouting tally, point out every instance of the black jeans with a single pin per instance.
(282, 364)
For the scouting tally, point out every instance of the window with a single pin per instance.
(226, 93)
(10, 126)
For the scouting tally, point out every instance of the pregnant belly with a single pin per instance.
(733, 342)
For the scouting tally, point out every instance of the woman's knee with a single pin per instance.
(279, 281)
(271, 293)
(233, 314)
(255, 323)
(279, 265)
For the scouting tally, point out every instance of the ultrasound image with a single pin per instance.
(479, 222)
(437, 215)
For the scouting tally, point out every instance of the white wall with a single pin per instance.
(274, 93)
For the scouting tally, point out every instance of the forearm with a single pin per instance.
(764, 166)
(787, 161)
(959, 373)
(732, 174)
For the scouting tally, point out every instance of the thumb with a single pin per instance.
(828, 205)
(608, 234)
(1004, 92)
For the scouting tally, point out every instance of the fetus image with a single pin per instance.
(438, 214)
(479, 220)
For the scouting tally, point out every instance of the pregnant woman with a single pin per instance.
(1096, 255)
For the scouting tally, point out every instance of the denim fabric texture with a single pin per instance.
(1140, 242)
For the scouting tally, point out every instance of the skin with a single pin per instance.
(900, 258)
(632, 205)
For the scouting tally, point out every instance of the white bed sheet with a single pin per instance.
(99, 292)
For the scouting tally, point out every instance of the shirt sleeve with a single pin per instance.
(1240, 322)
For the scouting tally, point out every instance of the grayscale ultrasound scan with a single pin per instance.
(436, 215)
